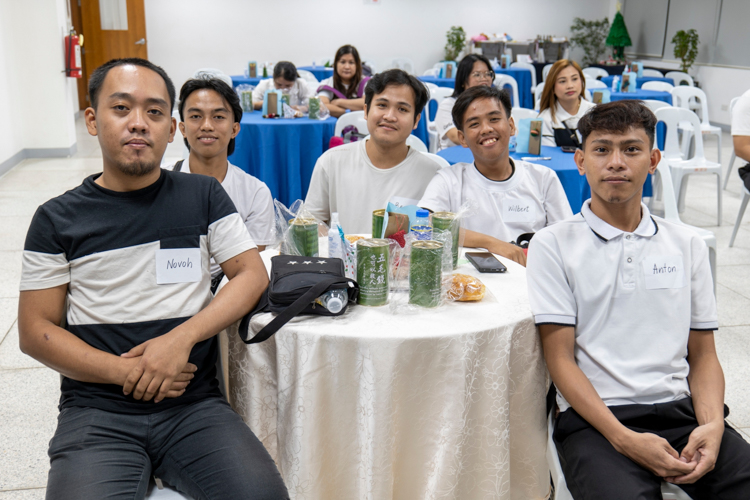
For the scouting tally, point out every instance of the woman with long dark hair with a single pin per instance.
(346, 88)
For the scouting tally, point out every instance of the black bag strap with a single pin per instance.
(177, 167)
(283, 317)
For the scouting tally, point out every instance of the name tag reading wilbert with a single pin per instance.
(515, 210)
(178, 265)
(666, 271)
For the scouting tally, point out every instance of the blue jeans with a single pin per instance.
(203, 449)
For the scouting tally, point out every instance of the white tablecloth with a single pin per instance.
(443, 403)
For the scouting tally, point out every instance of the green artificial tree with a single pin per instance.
(456, 41)
(618, 37)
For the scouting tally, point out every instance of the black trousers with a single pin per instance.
(595, 470)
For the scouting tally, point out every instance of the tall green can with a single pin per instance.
(305, 236)
(425, 273)
(372, 271)
(378, 216)
(313, 108)
(446, 221)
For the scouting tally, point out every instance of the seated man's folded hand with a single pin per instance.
(702, 450)
(654, 454)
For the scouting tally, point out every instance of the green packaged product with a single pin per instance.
(377, 223)
(313, 108)
(446, 221)
(305, 236)
(425, 273)
(372, 271)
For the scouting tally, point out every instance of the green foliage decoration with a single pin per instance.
(589, 36)
(456, 41)
(686, 47)
(618, 37)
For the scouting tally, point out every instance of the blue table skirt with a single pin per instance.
(575, 185)
(239, 80)
(320, 72)
(641, 94)
(522, 76)
(639, 81)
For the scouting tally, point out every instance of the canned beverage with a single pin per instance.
(446, 221)
(313, 108)
(247, 101)
(305, 236)
(425, 273)
(378, 216)
(372, 271)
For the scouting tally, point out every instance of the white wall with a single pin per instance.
(184, 35)
(37, 100)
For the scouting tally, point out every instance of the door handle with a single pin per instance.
(142, 41)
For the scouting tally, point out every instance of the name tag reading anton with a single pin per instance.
(515, 210)
(178, 265)
(665, 271)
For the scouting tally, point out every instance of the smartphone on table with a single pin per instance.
(485, 262)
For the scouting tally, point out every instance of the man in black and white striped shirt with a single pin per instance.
(129, 249)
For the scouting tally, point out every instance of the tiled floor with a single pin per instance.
(29, 391)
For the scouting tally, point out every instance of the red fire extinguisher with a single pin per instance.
(73, 44)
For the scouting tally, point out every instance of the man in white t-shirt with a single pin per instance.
(626, 313)
(741, 134)
(210, 115)
(363, 176)
(512, 197)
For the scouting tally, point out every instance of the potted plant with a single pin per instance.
(589, 36)
(686, 47)
(456, 41)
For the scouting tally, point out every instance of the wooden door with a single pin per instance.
(101, 45)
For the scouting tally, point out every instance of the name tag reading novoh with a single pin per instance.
(178, 265)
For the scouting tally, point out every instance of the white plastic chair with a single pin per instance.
(502, 80)
(545, 71)
(403, 63)
(437, 94)
(213, 73)
(308, 77)
(659, 86)
(595, 73)
(681, 97)
(653, 73)
(743, 206)
(529, 67)
(523, 113)
(431, 87)
(431, 72)
(587, 95)
(595, 84)
(356, 118)
(653, 104)
(732, 104)
(437, 159)
(698, 164)
(416, 143)
(679, 77)
(160, 491)
(538, 95)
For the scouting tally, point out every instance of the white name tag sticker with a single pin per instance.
(402, 202)
(664, 271)
(515, 210)
(178, 265)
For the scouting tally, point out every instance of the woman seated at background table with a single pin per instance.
(285, 79)
(473, 70)
(346, 88)
(563, 104)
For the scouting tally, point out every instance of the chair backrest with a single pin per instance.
(431, 72)
(668, 195)
(587, 95)
(680, 77)
(681, 98)
(653, 72)
(403, 63)
(503, 80)
(538, 95)
(440, 93)
(309, 78)
(595, 72)
(356, 118)
(545, 71)
(523, 113)
(653, 104)
(214, 73)
(660, 86)
(672, 116)
(437, 159)
(595, 84)
(431, 87)
(528, 66)
(416, 143)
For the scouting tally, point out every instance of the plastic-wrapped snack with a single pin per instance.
(298, 229)
(353, 238)
(290, 112)
(245, 92)
(349, 255)
(464, 288)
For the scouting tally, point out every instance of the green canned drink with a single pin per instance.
(425, 273)
(313, 108)
(372, 271)
(305, 236)
(378, 216)
(446, 221)
(247, 101)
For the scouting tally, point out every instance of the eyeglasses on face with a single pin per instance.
(483, 74)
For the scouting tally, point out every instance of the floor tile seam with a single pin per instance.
(734, 291)
(5, 335)
(24, 489)
(19, 368)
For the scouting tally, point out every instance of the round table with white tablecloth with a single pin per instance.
(391, 404)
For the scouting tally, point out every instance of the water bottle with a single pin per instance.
(616, 84)
(422, 228)
(512, 143)
(334, 238)
(333, 300)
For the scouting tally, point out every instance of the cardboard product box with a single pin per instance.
(535, 137)
(252, 69)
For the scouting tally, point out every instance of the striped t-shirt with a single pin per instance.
(104, 243)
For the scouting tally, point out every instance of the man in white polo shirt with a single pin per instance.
(513, 196)
(358, 178)
(741, 134)
(626, 312)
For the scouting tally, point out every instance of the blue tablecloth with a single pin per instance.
(522, 76)
(282, 152)
(319, 72)
(239, 80)
(575, 185)
(639, 81)
(641, 94)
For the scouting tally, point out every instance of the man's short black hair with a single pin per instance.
(97, 77)
(379, 82)
(219, 86)
(285, 70)
(618, 117)
(479, 92)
